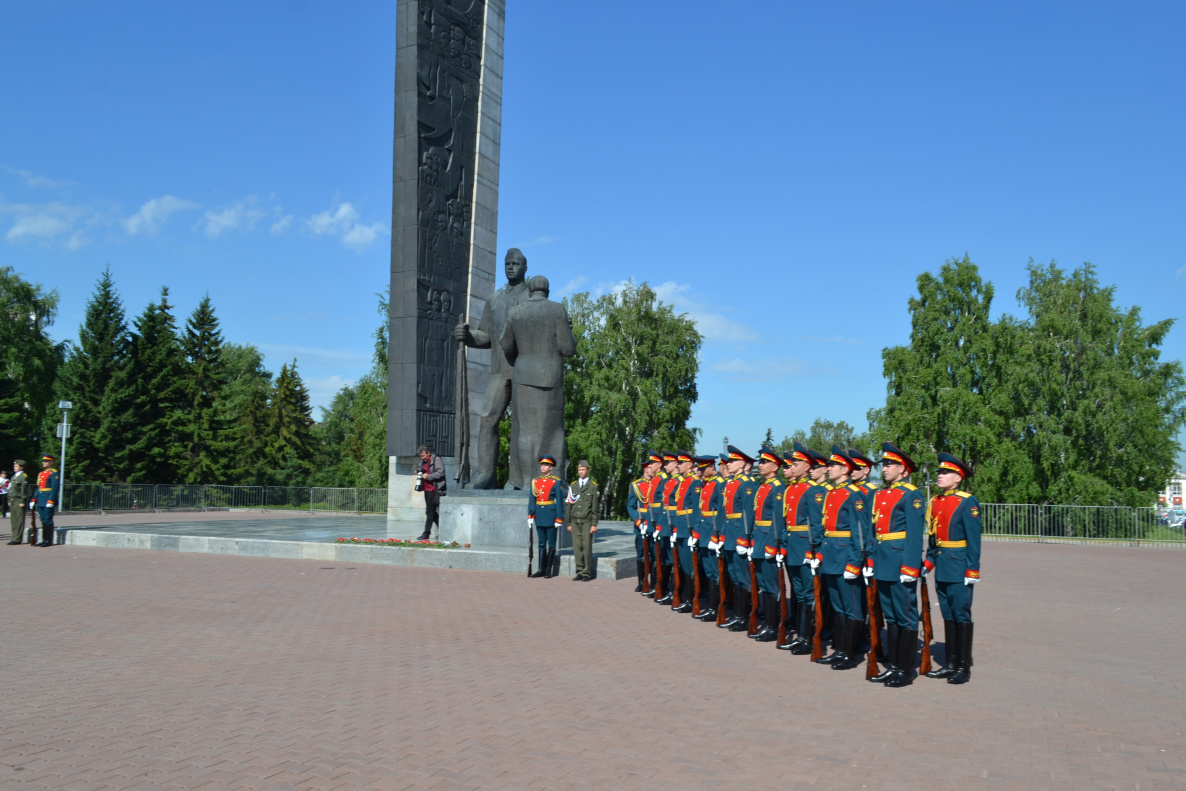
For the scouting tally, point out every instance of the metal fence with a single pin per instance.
(1079, 524)
(188, 497)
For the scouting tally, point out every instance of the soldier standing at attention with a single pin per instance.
(738, 501)
(638, 505)
(898, 526)
(846, 527)
(768, 553)
(18, 501)
(48, 485)
(658, 487)
(544, 513)
(681, 528)
(708, 537)
(799, 507)
(954, 525)
(663, 535)
(580, 514)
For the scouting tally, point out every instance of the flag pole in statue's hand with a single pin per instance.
(461, 403)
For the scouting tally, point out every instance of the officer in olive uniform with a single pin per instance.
(581, 509)
(638, 505)
(899, 521)
(953, 522)
(711, 511)
(18, 501)
(801, 515)
(846, 526)
(682, 513)
(738, 501)
(766, 550)
(46, 499)
(545, 512)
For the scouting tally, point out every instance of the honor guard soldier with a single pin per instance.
(711, 510)
(767, 552)
(738, 504)
(545, 512)
(860, 473)
(953, 521)
(661, 528)
(899, 521)
(803, 524)
(846, 528)
(682, 512)
(638, 505)
(46, 498)
(819, 469)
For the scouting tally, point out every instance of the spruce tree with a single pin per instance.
(243, 404)
(85, 377)
(290, 448)
(203, 452)
(30, 362)
(152, 427)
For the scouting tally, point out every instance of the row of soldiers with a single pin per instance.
(853, 551)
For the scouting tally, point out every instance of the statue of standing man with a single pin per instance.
(498, 394)
(537, 338)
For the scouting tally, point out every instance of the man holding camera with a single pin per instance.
(430, 479)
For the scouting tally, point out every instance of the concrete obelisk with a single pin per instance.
(444, 218)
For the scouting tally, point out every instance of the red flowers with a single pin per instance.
(401, 542)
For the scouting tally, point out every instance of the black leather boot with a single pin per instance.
(839, 636)
(641, 575)
(852, 635)
(669, 584)
(950, 654)
(646, 570)
(686, 592)
(891, 650)
(549, 559)
(769, 632)
(802, 643)
(964, 673)
(709, 613)
(907, 643)
(741, 608)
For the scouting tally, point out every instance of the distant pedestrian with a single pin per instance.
(18, 494)
(4, 484)
(580, 515)
(430, 479)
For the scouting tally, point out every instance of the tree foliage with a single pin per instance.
(30, 362)
(202, 452)
(825, 433)
(630, 386)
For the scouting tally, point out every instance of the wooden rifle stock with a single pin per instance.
(817, 649)
(695, 580)
(658, 567)
(647, 571)
(675, 599)
(874, 631)
(927, 633)
(753, 598)
(721, 582)
(530, 544)
(782, 605)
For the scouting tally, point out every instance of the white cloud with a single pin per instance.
(773, 369)
(343, 223)
(154, 214)
(48, 223)
(832, 339)
(283, 224)
(322, 391)
(713, 326)
(232, 217)
(541, 240)
(1182, 272)
(569, 288)
(35, 180)
(313, 356)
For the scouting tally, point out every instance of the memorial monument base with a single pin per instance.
(489, 518)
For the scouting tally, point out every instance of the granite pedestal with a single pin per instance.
(489, 517)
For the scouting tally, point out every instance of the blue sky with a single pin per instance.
(780, 170)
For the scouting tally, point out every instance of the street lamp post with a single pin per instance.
(63, 432)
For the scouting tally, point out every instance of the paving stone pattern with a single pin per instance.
(135, 669)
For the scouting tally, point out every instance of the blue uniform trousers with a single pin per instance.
(899, 602)
(46, 514)
(708, 562)
(767, 571)
(738, 566)
(664, 551)
(685, 558)
(545, 537)
(801, 583)
(845, 595)
(955, 601)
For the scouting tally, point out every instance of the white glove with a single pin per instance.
(814, 563)
(867, 571)
(779, 558)
(848, 575)
(713, 546)
(717, 550)
(531, 522)
(922, 572)
(766, 554)
(742, 551)
(970, 581)
(906, 579)
(673, 539)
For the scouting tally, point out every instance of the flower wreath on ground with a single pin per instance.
(402, 542)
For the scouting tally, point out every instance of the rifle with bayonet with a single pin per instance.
(753, 572)
(871, 606)
(928, 633)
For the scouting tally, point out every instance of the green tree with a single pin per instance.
(151, 427)
(30, 362)
(630, 386)
(1096, 410)
(243, 403)
(86, 376)
(823, 434)
(290, 449)
(203, 452)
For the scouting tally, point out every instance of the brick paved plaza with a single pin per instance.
(136, 669)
